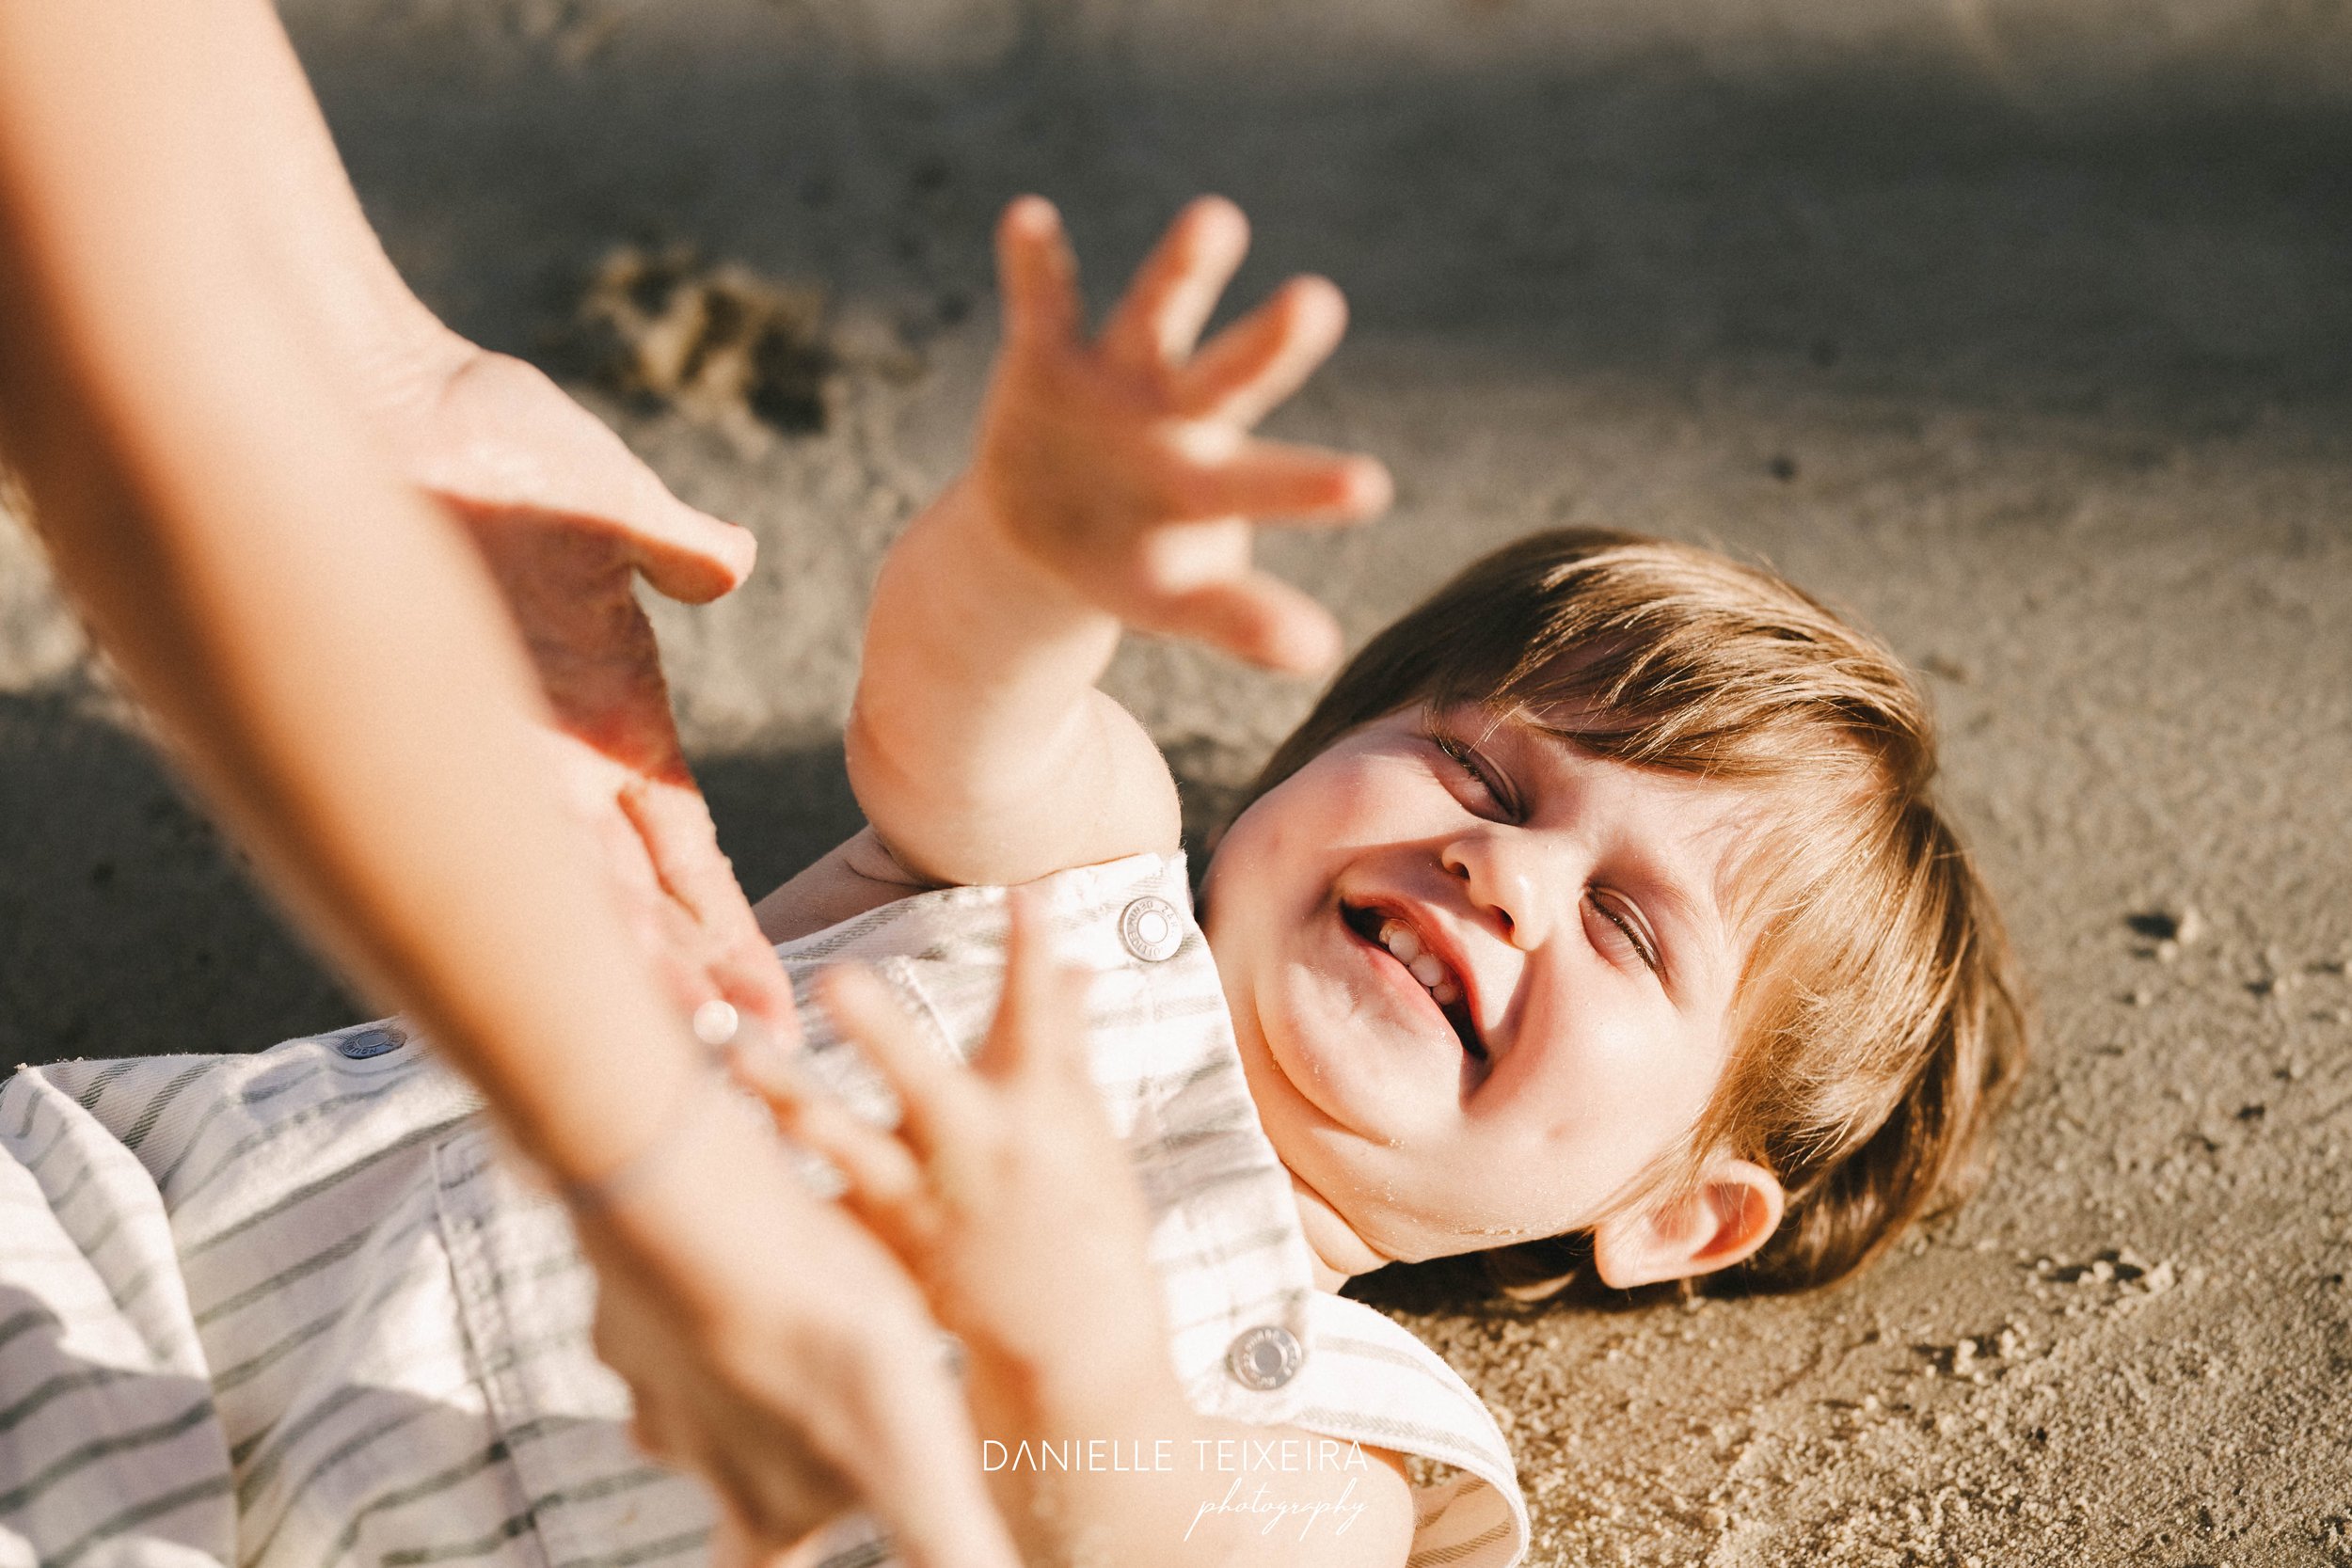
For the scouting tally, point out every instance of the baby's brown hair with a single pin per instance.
(1878, 1023)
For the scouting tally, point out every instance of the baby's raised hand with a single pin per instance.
(1125, 465)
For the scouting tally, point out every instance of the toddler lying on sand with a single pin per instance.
(1598, 910)
(1598, 919)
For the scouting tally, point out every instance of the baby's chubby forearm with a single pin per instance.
(978, 746)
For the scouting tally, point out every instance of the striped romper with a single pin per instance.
(289, 1310)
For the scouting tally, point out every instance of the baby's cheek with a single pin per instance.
(1668, 1081)
(1623, 1102)
(1376, 804)
(1250, 865)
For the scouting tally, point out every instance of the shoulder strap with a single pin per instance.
(1370, 1380)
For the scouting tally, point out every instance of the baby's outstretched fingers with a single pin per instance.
(1258, 618)
(1176, 290)
(882, 1176)
(1040, 1026)
(1278, 481)
(1037, 276)
(936, 1101)
(1248, 369)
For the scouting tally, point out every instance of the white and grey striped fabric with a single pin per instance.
(289, 1310)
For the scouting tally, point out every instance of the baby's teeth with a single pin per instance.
(1398, 938)
(1426, 967)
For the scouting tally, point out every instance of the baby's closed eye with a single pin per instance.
(1475, 773)
(1618, 932)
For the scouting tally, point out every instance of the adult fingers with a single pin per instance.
(663, 931)
(750, 979)
(681, 845)
(1258, 618)
(1037, 274)
(686, 555)
(1176, 290)
(934, 1099)
(1275, 480)
(505, 434)
(1252, 365)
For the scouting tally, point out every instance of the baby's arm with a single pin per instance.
(1113, 483)
(1005, 1193)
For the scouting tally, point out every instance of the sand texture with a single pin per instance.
(2023, 330)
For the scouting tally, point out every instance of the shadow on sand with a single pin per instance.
(130, 928)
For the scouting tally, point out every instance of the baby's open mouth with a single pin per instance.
(1405, 946)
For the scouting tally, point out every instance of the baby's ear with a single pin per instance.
(1734, 1210)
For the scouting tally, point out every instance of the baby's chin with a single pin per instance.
(1338, 1247)
(1391, 1221)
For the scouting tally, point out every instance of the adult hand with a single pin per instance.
(773, 1346)
(562, 512)
(211, 496)
(567, 517)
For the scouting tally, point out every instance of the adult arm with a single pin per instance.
(327, 658)
(332, 664)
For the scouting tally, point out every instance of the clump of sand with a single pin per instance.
(720, 343)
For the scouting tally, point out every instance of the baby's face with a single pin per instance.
(1479, 976)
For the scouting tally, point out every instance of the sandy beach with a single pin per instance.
(2021, 331)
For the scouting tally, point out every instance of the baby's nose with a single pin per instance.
(1506, 883)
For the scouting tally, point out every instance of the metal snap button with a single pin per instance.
(1151, 928)
(1265, 1358)
(373, 1040)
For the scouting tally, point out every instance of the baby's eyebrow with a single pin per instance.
(1717, 916)
(1700, 918)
